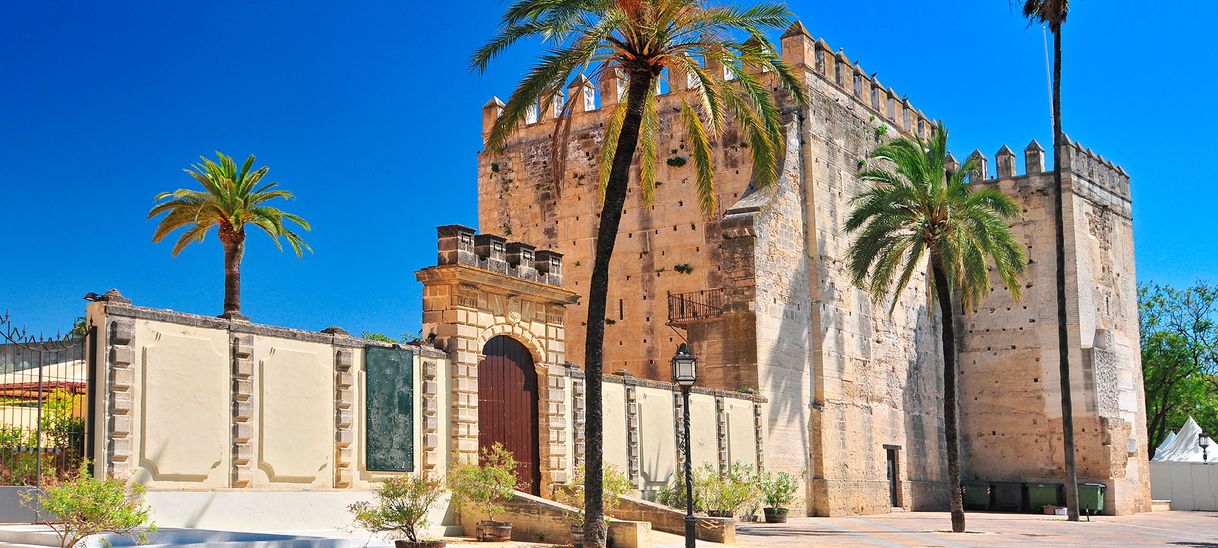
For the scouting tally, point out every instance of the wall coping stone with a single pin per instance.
(195, 320)
(574, 372)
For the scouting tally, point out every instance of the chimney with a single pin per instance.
(549, 266)
(456, 245)
(492, 252)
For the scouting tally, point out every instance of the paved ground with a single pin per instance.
(1197, 529)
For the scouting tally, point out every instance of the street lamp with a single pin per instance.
(1203, 440)
(684, 374)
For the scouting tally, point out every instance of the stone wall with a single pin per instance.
(1010, 388)
(196, 402)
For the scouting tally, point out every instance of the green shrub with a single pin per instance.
(486, 486)
(84, 505)
(401, 506)
(672, 494)
(778, 490)
(614, 485)
(729, 492)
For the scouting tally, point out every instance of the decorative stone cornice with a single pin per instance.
(494, 282)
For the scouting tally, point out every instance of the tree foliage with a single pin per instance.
(1179, 338)
(84, 505)
(485, 486)
(401, 505)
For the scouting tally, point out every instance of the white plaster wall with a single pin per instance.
(614, 398)
(293, 419)
(182, 409)
(741, 432)
(657, 437)
(703, 437)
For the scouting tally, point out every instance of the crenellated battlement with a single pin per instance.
(798, 49)
(459, 245)
(1078, 161)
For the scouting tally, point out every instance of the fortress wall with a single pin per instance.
(1010, 384)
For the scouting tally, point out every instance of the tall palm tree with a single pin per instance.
(1053, 13)
(917, 209)
(230, 200)
(645, 41)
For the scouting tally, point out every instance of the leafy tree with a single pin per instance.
(1053, 13)
(378, 337)
(401, 506)
(84, 505)
(645, 41)
(1179, 339)
(230, 200)
(917, 209)
(484, 486)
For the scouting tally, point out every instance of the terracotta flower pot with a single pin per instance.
(577, 536)
(494, 531)
(775, 515)
(420, 544)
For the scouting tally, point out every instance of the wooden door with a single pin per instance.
(507, 406)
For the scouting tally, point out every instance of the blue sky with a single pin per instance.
(367, 111)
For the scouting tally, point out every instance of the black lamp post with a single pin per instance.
(1203, 440)
(684, 374)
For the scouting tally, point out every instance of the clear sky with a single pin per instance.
(367, 111)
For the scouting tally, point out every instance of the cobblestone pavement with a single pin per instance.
(1197, 529)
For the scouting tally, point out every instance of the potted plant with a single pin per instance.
(400, 507)
(484, 488)
(614, 485)
(778, 490)
(724, 494)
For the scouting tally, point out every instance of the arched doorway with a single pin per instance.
(507, 406)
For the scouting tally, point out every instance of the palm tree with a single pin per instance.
(645, 41)
(1053, 13)
(230, 200)
(918, 209)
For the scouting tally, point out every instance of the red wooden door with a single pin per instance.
(507, 406)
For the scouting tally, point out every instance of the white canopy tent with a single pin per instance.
(1182, 446)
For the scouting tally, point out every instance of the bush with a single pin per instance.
(572, 494)
(401, 506)
(484, 487)
(672, 494)
(84, 506)
(778, 490)
(726, 493)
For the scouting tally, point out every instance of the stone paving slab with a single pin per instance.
(1197, 529)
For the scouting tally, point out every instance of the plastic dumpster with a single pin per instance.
(1044, 494)
(977, 495)
(1008, 496)
(1090, 498)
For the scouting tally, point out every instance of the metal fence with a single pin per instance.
(44, 404)
(695, 305)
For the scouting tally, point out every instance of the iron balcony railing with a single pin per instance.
(695, 305)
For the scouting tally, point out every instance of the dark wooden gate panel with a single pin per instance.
(507, 406)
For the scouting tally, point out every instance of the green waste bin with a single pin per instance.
(1091, 498)
(1043, 494)
(976, 495)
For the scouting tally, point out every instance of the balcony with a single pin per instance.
(694, 306)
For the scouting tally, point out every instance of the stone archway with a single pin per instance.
(485, 287)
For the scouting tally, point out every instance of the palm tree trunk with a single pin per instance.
(1063, 336)
(234, 250)
(951, 428)
(611, 216)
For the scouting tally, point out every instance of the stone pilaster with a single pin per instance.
(344, 431)
(554, 425)
(432, 457)
(120, 405)
(632, 434)
(759, 434)
(579, 416)
(465, 402)
(243, 410)
(721, 432)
